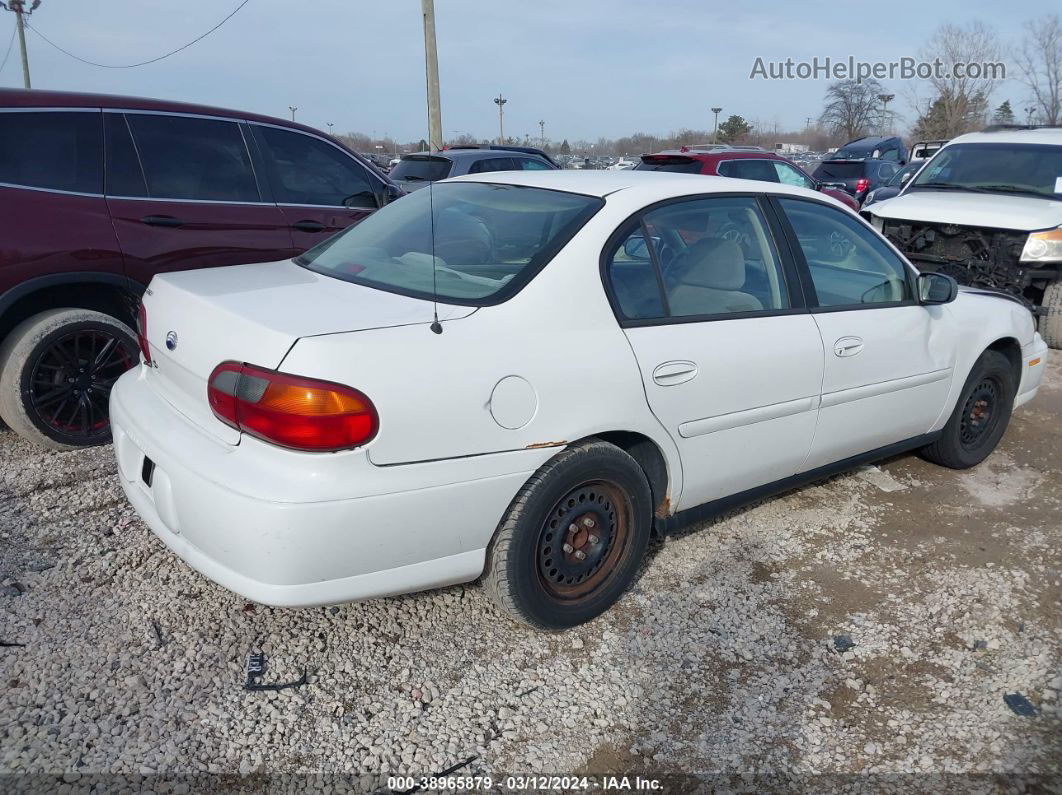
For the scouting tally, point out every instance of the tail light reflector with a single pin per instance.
(862, 184)
(290, 410)
(141, 332)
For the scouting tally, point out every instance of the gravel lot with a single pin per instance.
(872, 623)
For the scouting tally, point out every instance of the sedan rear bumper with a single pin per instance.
(421, 528)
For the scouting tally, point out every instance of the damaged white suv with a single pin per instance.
(987, 209)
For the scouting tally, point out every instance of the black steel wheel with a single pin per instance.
(58, 370)
(980, 417)
(573, 538)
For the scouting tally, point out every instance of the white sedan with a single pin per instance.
(522, 376)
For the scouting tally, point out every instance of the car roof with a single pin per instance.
(22, 98)
(1052, 136)
(473, 154)
(869, 141)
(648, 185)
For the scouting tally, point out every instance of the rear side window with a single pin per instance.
(492, 164)
(56, 151)
(680, 165)
(124, 175)
(307, 170)
(422, 169)
(531, 164)
(190, 158)
(829, 170)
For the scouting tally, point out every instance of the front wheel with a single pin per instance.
(58, 369)
(1051, 319)
(573, 538)
(981, 415)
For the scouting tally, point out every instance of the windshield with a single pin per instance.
(422, 169)
(489, 240)
(828, 170)
(680, 165)
(1030, 169)
(904, 173)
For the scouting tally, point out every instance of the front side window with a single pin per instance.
(307, 170)
(489, 240)
(191, 158)
(849, 264)
(55, 151)
(788, 175)
(712, 257)
(1007, 168)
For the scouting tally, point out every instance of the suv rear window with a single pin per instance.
(675, 163)
(52, 150)
(422, 168)
(489, 240)
(830, 170)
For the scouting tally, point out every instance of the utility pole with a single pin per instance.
(431, 69)
(542, 134)
(293, 108)
(500, 102)
(19, 7)
(715, 132)
(885, 100)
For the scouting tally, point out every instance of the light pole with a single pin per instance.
(330, 126)
(431, 69)
(293, 108)
(1029, 115)
(19, 7)
(542, 134)
(885, 100)
(500, 102)
(715, 131)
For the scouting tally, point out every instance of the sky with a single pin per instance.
(588, 68)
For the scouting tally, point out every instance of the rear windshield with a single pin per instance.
(832, 170)
(422, 169)
(1022, 169)
(680, 165)
(489, 240)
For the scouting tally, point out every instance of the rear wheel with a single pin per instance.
(1051, 319)
(572, 539)
(58, 369)
(980, 417)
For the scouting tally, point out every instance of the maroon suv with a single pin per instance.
(99, 193)
(747, 162)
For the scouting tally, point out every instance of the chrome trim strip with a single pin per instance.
(50, 110)
(189, 201)
(883, 387)
(329, 207)
(736, 419)
(51, 190)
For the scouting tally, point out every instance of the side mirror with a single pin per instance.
(392, 192)
(936, 288)
(636, 248)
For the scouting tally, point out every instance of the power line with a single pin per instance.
(10, 44)
(142, 63)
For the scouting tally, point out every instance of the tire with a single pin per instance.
(57, 371)
(1050, 324)
(600, 491)
(981, 415)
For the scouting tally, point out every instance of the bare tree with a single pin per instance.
(851, 107)
(959, 103)
(1040, 60)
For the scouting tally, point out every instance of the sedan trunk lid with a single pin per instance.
(255, 314)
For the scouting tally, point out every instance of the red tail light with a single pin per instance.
(289, 410)
(141, 332)
(862, 184)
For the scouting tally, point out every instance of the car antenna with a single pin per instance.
(436, 326)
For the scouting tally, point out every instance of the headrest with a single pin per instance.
(714, 262)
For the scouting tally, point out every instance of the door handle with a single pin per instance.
(847, 346)
(674, 373)
(308, 226)
(162, 220)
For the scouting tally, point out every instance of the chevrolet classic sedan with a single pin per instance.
(521, 377)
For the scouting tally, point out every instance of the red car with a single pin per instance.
(741, 162)
(99, 193)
